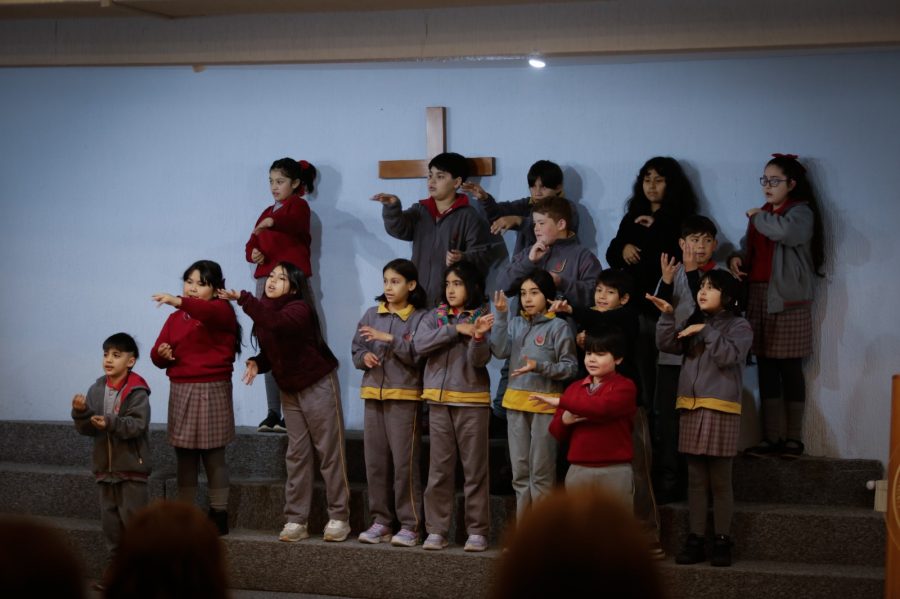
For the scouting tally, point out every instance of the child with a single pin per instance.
(197, 346)
(281, 234)
(541, 350)
(116, 412)
(444, 228)
(709, 397)
(595, 415)
(392, 390)
(574, 268)
(678, 285)
(661, 197)
(613, 312)
(454, 337)
(545, 179)
(292, 347)
(784, 248)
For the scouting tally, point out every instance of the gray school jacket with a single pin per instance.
(455, 370)
(576, 266)
(711, 375)
(122, 451)
(545, 339)
(461, 229)
(399, 376)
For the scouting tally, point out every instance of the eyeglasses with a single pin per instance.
(773, 182)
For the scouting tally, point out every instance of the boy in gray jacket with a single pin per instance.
(116, 412)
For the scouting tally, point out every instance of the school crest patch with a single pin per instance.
(539, 340)
(558, 267)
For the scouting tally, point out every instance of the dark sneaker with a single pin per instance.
(693, 551)
(280, 426)
(764, 449)
(792, 449)
(268, 425)
(721, 551)
(220, 519)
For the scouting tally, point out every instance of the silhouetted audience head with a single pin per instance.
(169, 549)
(37, 561)
(579, 543)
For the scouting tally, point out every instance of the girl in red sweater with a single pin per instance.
(596, 415)
(281, 234)
(197, 346)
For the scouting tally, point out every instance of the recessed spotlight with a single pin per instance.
(537, 62)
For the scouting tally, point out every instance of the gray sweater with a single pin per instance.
(399, 375)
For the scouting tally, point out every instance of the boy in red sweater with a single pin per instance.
(596, 416)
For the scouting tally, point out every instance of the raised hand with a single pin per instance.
(99, 422)
(668, 266)
(228, 294)
(543, 399)
(474, 189)
(560, 306)
(690, 261)
(661, 304)
(370, 333)
(501, 304)
(483, 324)
(385, 198)
(527, 367)
(165, 298)
(645, 220)
(79, 403)
(505, 223)
(257, 256)
(691, 330)
(537, 251)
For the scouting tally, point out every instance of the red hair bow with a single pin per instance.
(305, 165)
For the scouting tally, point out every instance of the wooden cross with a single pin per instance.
(435, 143)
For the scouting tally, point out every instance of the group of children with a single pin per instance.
(641, 359)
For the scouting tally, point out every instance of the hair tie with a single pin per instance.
(305, 165)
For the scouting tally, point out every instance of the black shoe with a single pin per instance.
(693, 551)
(764, 449)
(792, 448)
(721, 551)
(280, 426)
(268, 425)
(220, 519)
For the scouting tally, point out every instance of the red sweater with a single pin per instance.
(604, 439)
(203, 335)
(289, 341)
(287, 240)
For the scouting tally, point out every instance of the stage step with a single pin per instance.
(784, 532)
(257, 560)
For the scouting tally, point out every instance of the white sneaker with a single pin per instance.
(293, 531)
(336, 530)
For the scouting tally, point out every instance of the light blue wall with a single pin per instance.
(113, 180)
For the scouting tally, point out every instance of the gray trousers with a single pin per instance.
(315, 420)
(392, 445)
(532, 451)
(616, 479)
(118, 503)
(462, 431)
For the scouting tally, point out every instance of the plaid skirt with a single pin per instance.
(201, 415)
(708, 432)
(787, 334)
